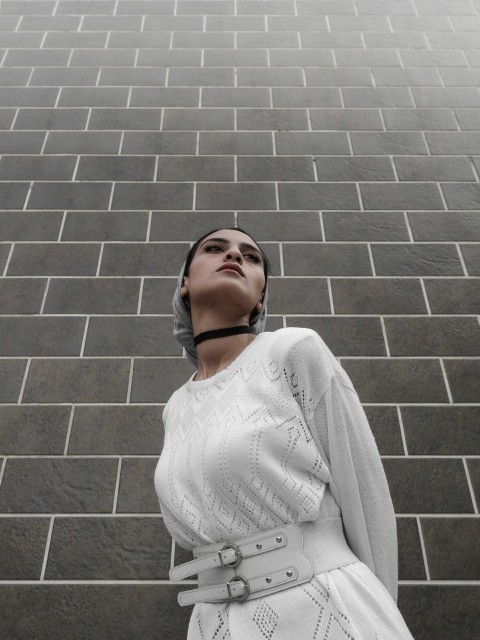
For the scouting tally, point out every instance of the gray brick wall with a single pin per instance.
(345, 135)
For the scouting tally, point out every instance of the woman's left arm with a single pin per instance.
(340, 429)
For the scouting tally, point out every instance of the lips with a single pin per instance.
(232, 267)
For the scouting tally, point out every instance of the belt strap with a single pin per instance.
(264, 563)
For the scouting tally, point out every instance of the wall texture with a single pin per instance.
(345, 135)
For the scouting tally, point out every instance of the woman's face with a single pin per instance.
(226, 263)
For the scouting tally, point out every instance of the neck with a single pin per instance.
(216, 354)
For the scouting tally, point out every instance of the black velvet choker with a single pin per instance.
(222, 333)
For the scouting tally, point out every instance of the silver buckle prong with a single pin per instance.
(245, 595)
(238, 553)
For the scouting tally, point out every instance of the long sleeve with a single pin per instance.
(341, 431)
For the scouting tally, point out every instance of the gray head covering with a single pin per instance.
(182, 320)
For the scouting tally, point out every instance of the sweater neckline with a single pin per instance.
(201, 384)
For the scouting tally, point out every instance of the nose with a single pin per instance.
(235, 253)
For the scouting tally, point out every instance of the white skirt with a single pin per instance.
(345, 603)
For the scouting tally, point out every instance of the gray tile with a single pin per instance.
(217, 195)
(56, 77)
(195, 168)
(434, 169)
(174, 23)
(453, 295)
(207, 77)
(345, 39)
(419, 260)
(161, 143)
(164, 96)
(349, 168)
(236, 58)
(464, 379)
(471, 257)
(306, 97)
(130, 337)
(433, 485)
(334, 7)
(473, 466)
(120, 259)
(19, 7)
(54, 259)
(440, 431)
(448, 226)
(49, 23)
(414, 196)
(41, 336)
(22, 544)
(394, 7)
(28, 96)
(136, 492)
(338, 77)
(207, 7)
(140, 40)
(46, 485)
(116, 430)
(235, 143)
(407, 77)
(346, 336)
(73, 380)
(87, 142)
(112, 23)
(437, 57)
(22, 295)
(193, 39)
(419, 119)
(14, 77)
(13, 194)
(468, 119)
(170, 58)
(198, 119)
(147, 196)
(410, 556)
(84, 607)
(453, 143)
(346, 119)
(367, 58)
(433, 336)
(235, 23)
(385, 427)
(388, 143)
(301, 58)
(451, 547)
(130, 118)
(445, 97)
(260, 39)
(21, 142)
(155, 379)
(274, 225)
(377, 296)
(298, 295)
(11, 375)
(38, 430)
(66, 195)
(392, 380)
(185, 225)
(326, 259)
(421, 23)
(297, 23)
(31, 225)
(272, 119)
(150, 7)
(272, 77)
(462, 195)
(311, 143)
(265, 168)
(409, 39)
(325, 195)
(103, 58)
(93, 97)
(365, 226)
(358, 23)
(26, 167)
(377, 97)
(235, 97)
(88, 295)
(115, 168)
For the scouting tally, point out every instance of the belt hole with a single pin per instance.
(289, 573)
(268, 580)
(259, 546)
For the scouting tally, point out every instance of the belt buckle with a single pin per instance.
(231, 545)
(245, 595)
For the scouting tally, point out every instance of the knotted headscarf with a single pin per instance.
(182, 319)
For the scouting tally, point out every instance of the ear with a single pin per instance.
(184, 291)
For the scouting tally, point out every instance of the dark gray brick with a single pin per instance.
(86, 142)
(22, 547)
(346, 336)
(419, 119)
(13, 194)
(441, 430)
(120, 259)
(46, 485)
(346, 119)
(419, 260)
(165, 96)
(195, 168)
(235, 58)
(139, 40)
(125, 119)
(207, 77)
(157, 295)
(385, 427)
(77, 380)
(312, 7)
(273, 225)
(461, 77)
(164, 143)
(26, 167)
(430, 169)
(217, 195)
(367, 58)
(433, 336)
(83, 607)
(109, 549)
(415, 196)
(332, 168)
(19, 7)
(272, 119)
(473, 466)
(192, 39)
(329, 143)
(41, 336)
(433, 485)
(93, 97)
(115, 168)
(301, 58)
(326, 259)
(21, 142)
(235, 97)
(126, 76)
(56, 77)
(54, 259)
(150, 7)
(74, 7)
(136, 493)
(471, 257)
(388, 143)
(394, 7)
(235, 23)
(37, 58)
(66, 195)
(21, 295)
(31, 225)
(131, 195)
(103, 58)
(462, 195)
(49, 23)
(112, 23)
(347, 39)
(365, 226)
(84, 40)
(451, 610)
(468, 119)
(260, 39)
(131, 336)
(464, 379)
(91, 295)
(445, 97)
(411, 40)
(280, 7)
(14, 77)
(338, 77)
(410, 557)
(421, 23)
(454, 143)
(378, 296)
(359, 23)
(450, 545)
(198, 119)
(11, 377)
(433, 58)
(407, 77)
(208, 7)
(39, 430)
(293, 168)
(116, 430)
(325, 195)
(155, 379)
(28, 96)
(448, 226)
(175, 23)
(306, 97)
(272, 77)
(170, 58)
(298, 295)
(185, 225)
(6, 118)
(112, 225)
(453, 295)
(392, 380)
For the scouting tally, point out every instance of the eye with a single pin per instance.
(213, 246)
(254, 257)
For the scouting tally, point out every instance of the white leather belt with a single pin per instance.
(264, 563)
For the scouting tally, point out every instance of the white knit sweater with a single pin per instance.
(278, 436)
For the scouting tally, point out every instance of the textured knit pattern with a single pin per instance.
(280, 436)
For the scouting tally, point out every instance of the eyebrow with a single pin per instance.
(243, 245)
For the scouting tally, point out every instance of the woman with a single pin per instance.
(267, 446)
